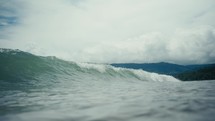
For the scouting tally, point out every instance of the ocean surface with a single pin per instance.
(36, 88)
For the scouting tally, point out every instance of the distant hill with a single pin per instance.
(182, 72)
(161, 68)
(206, 73)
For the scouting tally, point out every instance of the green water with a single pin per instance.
(35, 88)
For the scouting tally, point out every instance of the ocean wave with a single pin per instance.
(21, 66)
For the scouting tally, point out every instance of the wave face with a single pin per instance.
(19, 66)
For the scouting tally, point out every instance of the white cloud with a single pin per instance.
(193, 45)
(116, 30)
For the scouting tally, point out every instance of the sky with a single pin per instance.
(111, 31)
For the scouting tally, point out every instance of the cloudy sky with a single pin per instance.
(106, 31)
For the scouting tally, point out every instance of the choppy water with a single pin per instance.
(34, 88)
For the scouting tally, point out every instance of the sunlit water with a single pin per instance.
(111, 101)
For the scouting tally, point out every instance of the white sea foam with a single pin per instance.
(99, 67)
(141, 74)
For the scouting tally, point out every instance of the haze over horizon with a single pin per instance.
(111, 31)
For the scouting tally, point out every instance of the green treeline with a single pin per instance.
(207, 73)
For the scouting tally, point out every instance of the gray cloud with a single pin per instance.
(115, 30)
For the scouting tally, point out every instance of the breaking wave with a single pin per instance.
(19, 66)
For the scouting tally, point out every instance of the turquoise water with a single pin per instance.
(35, 88)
